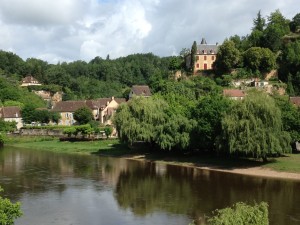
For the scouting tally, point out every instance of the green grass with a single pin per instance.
(107, 147)
(287, 163)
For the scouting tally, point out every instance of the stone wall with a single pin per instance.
(41, 132)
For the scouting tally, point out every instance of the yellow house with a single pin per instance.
(205, 56)
(102, 109)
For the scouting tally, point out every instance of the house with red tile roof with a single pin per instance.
(295, 101)
(234, 94)
(12, 114)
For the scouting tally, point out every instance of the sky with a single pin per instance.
(69, 30)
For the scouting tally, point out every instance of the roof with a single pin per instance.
(29, 79)
(120, 100)
(69, 106)
(72, 106)
(233, 93)
(205, 48)
(143, 90)
(295, 100)
(10, 112)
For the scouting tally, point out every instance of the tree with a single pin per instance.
(253, 127)
(295, 23)
(259, 22)
(193, 53)
(208, 113)
(138, 119)
(55, 117)
(290, 116)
(28, 114)
(241, 214)
(228, 57)
(259, 59)
(108, 131)
(277, 27)
(9, 211)
(83, 115)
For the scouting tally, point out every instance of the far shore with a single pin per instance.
(286, 167)
(256, 171)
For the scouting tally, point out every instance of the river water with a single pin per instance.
(60, 189)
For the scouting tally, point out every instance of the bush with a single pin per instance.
(8, 211)
(241, 214)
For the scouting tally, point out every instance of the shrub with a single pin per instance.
(8, 211)
(241, 214)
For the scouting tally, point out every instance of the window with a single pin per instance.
(197, 65)
(213, 57)
(205, 66)
(197, 58)
(205, 57)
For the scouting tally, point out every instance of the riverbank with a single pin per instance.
(286, 167)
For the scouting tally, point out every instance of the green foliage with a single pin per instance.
(193, 53)
(241, 214)
(7, 126)
(2, 139)
(150, 120)
(83, 115)
(295, 23)
(13, 103)
(259, 59)
(9, 211)
(208, 113)
(28, 114)
(276, 28)
(290, 116)
(253, 127)
(108, 131)
(70, 131)
(228, 57)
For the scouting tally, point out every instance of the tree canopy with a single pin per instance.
(253, 127)
(83, 115)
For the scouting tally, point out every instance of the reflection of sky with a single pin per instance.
(83, 205)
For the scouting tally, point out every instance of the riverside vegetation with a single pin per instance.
(189, 115)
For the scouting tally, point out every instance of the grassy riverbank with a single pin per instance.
(287, 163)
(109, 147)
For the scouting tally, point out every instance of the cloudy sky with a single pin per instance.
(68, 30)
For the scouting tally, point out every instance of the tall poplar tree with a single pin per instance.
(193, 57)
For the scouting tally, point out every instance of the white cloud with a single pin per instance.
(57, 30)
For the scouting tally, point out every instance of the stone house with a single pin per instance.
(29, 81)
(12, 114)
(102, 109)
(140, 90)
(205, 56)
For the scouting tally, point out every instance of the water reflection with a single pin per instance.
(105, 190)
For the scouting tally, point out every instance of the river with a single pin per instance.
(62, 189)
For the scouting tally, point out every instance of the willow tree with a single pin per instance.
(152, 120)
(137, 120)
(253, 127)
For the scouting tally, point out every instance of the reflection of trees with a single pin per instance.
(38, 171)
(195, 192)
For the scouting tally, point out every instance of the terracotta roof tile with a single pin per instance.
(69, 106)
(295, 101)
(141, 90)
(10, 112)
(233, 93)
